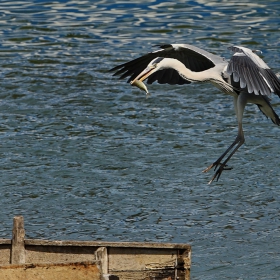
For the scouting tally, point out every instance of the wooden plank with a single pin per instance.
(184, 265)
(68, 271)
(58, 254)
(146, 275)
(121, 259)
(107, 244)
(149, 263)
(5, 254)
(5, 241)
(18, 250)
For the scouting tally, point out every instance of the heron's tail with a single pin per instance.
(268, 111)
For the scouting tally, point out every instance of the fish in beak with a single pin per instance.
(138, 81)
(140, 85)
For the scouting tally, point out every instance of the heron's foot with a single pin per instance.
(219, 172)
(208, 168)
(215, 165)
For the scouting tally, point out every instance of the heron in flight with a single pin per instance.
(245, 76)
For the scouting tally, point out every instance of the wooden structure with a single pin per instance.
(32, 259)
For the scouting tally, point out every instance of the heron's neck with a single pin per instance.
(186, 73)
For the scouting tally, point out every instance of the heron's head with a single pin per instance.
(155, 65)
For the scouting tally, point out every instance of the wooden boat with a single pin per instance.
(32, 259)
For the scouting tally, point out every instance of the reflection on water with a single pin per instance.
(85, 156)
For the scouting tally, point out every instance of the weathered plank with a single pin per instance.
(5, 253)
(149, 263)
(106, 244)
(141, 259)
(18, 250)
(59, 254)
(66, 271)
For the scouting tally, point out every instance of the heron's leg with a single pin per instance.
(239, 141)
(218, 161)
(239, 106)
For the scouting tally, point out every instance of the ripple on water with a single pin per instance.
(109, 164)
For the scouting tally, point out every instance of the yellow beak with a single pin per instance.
(144, 74)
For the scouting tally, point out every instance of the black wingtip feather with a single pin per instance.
(163, 46)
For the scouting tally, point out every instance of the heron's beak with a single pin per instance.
(145, 74)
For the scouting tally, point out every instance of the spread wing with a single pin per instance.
(192, 57)
(251, 72)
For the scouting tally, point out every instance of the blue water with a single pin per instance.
(85, 156)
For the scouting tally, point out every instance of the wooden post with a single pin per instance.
(18, 249)
(102, 256)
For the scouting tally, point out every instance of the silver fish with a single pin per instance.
(140, 85)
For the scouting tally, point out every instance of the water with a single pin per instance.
(85, 156)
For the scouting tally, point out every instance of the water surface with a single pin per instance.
(85, 156)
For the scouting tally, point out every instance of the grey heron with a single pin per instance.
(245, 76)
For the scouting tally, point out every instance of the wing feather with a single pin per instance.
(252, 72)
